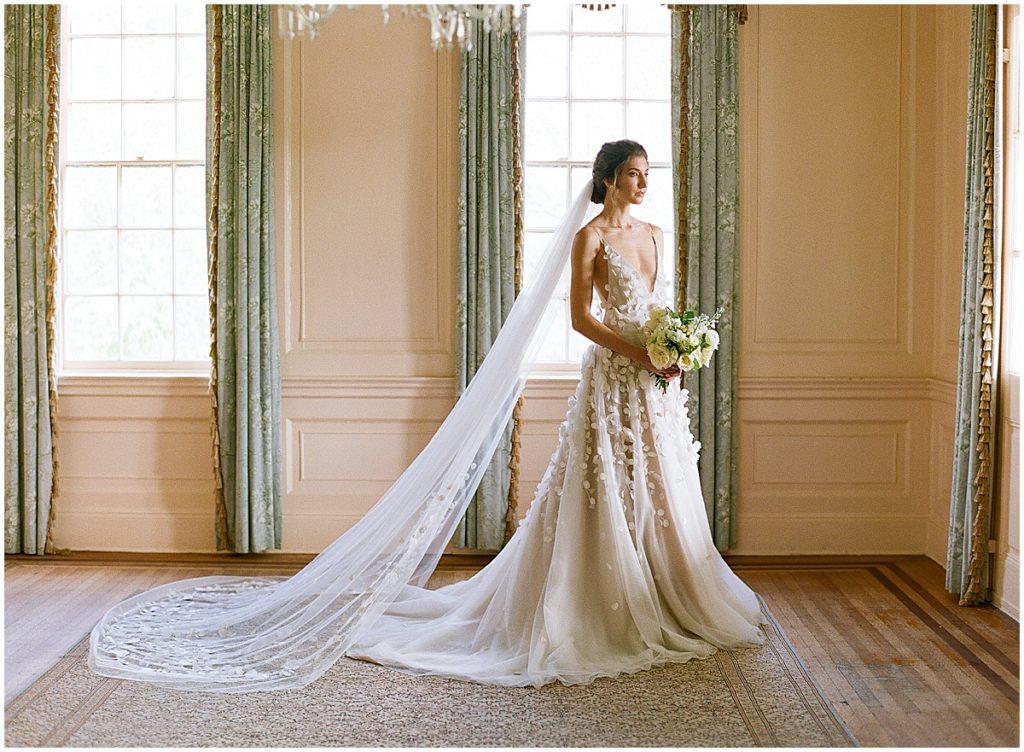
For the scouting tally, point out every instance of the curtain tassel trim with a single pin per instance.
(52, 55)
(213, 170)
(975, 592)
(512, 508)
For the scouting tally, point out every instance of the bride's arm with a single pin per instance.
(581, 296)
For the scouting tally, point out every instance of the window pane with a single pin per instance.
(546, 66)
(190, 272)
(191, 328)
(658, 200)
(596, 20)
(149, 131)
(578, 345)
(192, 130)
(149, 68)
(547, 17)
(146, 328)
(90, 197)
(547, 133)
(596, 67)
(189, 196)
(90, 328)
(580, 176)
(146, 261)
(647, 68)
(534, 245)
(650, 123)
(543, 196)
(553, 328)
(94, 18)
(192, 67)
(95, 68)
(146, 197)
(191, 19)
(667, 272)
(648, 18)
(94, 132)
(149, 18)
(90, 262)
(593, 123)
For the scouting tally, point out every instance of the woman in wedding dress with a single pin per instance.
(612, 570)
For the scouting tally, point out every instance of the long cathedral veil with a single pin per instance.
(236, 634)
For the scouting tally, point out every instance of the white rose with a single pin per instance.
(687, 362)
(660, 355)
(708, 347)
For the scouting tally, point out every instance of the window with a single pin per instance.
(591, 77)
(133, 280)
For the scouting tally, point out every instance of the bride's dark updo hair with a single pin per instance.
(608, 163)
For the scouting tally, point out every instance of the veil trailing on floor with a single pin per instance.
(234, 634)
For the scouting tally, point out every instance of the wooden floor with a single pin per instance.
(901, 662)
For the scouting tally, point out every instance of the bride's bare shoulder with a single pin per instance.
(586, 244)
(588, 235)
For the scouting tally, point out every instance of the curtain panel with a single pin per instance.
(967, 564)
(705, 113)
(489, 258)
(245, 379)
(31, 91)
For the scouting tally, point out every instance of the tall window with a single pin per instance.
(133, 287)
(591, 77)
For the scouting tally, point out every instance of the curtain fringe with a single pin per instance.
(976, 590)
(512, 508)
(52, 56)
(213, 229)
(684, 161)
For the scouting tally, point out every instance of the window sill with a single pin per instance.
(136, 384)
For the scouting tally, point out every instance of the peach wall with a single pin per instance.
(851, 164)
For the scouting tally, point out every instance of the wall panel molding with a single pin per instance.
(412, 168)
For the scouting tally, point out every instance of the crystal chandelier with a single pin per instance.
(302, 20)
(450, 25)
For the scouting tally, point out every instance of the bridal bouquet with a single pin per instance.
(684, 339)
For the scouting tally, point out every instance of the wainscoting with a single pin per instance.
(826, 466)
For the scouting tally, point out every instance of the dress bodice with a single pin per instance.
(627, 301)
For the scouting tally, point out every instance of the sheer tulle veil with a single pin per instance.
(231, 634)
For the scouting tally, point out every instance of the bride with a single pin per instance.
(612, 570)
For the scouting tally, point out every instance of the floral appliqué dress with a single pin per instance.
(613, 568)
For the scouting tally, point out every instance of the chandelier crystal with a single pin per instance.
(302, 21)
(450, 25)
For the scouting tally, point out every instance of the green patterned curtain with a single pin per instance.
(967, 567)
(706, 146)
(488, 150)
(246, 378)
(31, 87)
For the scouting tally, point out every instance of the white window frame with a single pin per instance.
(570, 366)
(65, 367)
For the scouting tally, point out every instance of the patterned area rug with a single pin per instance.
(747, 698)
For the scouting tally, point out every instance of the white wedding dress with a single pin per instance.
(612, 570)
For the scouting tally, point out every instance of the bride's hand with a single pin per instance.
(668, 374)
